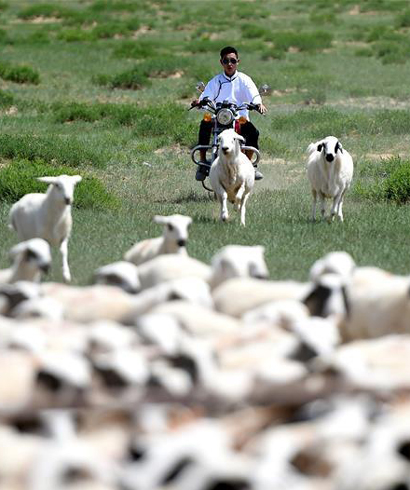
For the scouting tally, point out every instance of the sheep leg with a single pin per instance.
(64, 257)
(340, 206)
(243, 208)
(322, 204)
(314, 195)
(336, 206)
(223, 199)
(239, 197)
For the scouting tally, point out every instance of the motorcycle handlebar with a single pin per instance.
(206, 101)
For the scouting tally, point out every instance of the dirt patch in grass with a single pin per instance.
(141, 31)
(385, 156)
(372, 103)
(41, 19)
(278, 173)
(355, 10)
(172, 150)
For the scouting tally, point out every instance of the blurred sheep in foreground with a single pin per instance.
(340, 263)
(48, 215)
(238, 261)
(173, 240)
(122, 274)
(330, 173)
(30, 258)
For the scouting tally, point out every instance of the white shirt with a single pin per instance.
(238, 89)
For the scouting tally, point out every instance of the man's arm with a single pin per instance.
(254, 95)
(208, 92)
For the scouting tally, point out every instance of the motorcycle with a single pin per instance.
(224, 115)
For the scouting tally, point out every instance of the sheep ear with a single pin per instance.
(47, 180)
(161, 220)
(14, 251)
(339, 147)
(76, 178)
(319, 147)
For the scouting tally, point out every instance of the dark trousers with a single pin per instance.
(248, 131)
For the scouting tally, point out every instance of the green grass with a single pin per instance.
(19, 74)
(101, 88)
(19, 178)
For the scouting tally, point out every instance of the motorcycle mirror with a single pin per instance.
(265, 89)
(200, 86)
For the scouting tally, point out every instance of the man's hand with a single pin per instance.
(195, 103)
(262, 109)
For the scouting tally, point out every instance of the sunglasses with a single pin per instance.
(226, 61)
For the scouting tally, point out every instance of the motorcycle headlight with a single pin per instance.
(224, 117)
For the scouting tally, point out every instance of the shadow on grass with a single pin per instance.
(193, 196)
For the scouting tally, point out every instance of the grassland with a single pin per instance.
(102, 87)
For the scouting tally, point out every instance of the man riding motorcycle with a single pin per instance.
(232, 86)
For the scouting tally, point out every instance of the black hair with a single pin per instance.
(227, 50)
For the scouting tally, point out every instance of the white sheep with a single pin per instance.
(330, 172)
(238, 261)
(173, 240)
(377, 304)
(121, 273)
(171, 266)
(232, 175)
(48, 215)
(340, 263)
(30, 259)
(241, 294)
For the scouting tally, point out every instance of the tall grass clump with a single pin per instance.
(45, 10)
(74, 35)
(396, 186)
(403, 20)
(385, 180)
(20, 177)
(106, 6)
(6, 99)
(303, 41)
(252, 31)
(4, 38)
(133, 79)
(56, 149)
(19, 74)
(167, 120)
(135, 49)
(319, 121)
(383, 5)
(119, 114)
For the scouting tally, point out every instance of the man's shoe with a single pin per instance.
(258, 175)
(200, 175)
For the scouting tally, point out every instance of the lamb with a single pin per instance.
(232, 175)
(330, 172)
(122, 274)
(238, 261)
(47, 216)
(30, 259)
(173, 240)
(377, 305)
(230, 261)
(338, 262)
(239, 295)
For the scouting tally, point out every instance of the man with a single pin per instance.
(236, 87)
